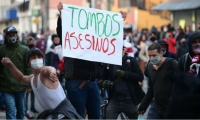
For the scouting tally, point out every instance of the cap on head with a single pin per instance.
(11, 29)
(34, 51)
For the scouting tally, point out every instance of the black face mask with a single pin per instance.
(31, 46)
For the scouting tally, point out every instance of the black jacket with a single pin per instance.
(76, 68)
(185, 60)
(133, 75)
(64, 108)
(186, 98)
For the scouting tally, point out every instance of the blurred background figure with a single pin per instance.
(171, 42)
(198, 27)
(1, 39)
(165, 50)
(41, 43)
(182, 48)
(30, 42)
(143, 55)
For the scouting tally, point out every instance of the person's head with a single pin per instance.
(187, 28)
(198, 26)
(143, 37)
(35, 58)
(183, 40)
(30, 42)
(155, 53)
(194, 44)
(153, 37)
(164, 47)
(55, 39)
(11, 36)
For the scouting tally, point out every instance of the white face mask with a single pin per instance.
(37, 63)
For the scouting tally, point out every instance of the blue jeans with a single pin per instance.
(15, 101)
(156, 113)
(88, 97)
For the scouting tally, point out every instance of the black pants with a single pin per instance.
(115, 107)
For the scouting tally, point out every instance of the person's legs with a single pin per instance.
(1, 100)
(154, 112)
(93, 101)
(20, 104)
(77, 96)
(113, 109)
(129, 109)
(10, 105)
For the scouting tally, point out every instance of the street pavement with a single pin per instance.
(39, 109)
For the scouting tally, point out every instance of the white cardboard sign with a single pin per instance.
(91, 34)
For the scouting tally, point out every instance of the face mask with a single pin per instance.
(37, 63)
(165, 29)
(196, 48)
(155, 61)
(31, 46)
(12, 40)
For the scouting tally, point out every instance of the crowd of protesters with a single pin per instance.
(167, 58)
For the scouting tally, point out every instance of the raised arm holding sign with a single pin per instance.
(88, 36)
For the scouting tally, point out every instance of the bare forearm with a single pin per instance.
(16, 73)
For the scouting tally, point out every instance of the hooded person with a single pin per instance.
(190, 62)
(165, 49)
(186, 98)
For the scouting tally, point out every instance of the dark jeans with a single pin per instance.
(115, 107)
(1, 100)
(156, 113)
(88, 97)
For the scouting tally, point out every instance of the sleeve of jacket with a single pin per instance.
(181, 64)
(147, 99)
(136, 73)
(28, 70)
(104, 73)
(59, 29)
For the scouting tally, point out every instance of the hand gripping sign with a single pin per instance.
(91, 34)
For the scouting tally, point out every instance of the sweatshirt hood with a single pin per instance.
(193, 36)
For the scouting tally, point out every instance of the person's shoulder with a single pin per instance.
(23, 47)
(2, 47)
(185, 56)
(47, 68)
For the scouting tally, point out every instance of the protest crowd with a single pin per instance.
(33, 64)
